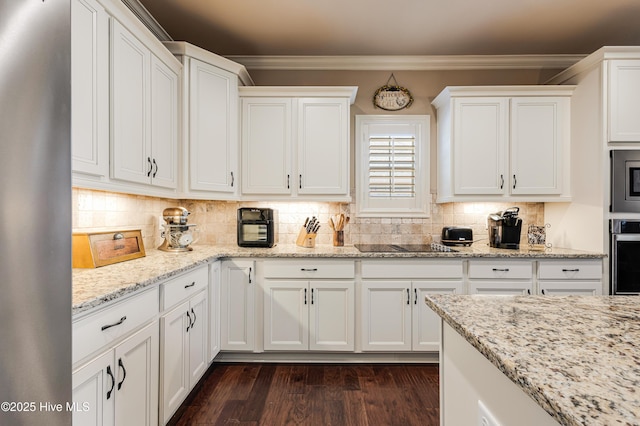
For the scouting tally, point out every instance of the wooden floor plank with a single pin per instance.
(314, 395)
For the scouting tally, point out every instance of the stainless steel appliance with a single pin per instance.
(177, 234)
(625, 181)
(257, 227)
(457, 236)
(625, 256)
(35, 180)
(505, 229)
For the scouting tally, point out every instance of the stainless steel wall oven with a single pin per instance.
(625, 181)
(625, 256)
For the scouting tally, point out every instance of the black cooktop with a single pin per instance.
(403, 248)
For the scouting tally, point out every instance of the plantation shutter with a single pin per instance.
(392, 167)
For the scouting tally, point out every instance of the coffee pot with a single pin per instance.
(504, 229)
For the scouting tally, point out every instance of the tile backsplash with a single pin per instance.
(216, 220)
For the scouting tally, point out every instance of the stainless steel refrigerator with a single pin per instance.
(35, 212)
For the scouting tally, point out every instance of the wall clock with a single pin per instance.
(392, 97)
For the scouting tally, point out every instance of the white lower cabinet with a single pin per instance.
(120, 386)
(500, 276)
(394, 316)
(309, 305)
(570, 277)
(237, 305)
(309, 315)
(184, 337)
(214, 309)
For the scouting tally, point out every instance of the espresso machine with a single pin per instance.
(504, 229)
(177, 234)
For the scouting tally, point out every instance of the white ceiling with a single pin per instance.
(399, 27)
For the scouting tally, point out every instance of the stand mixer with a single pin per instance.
(177, 234)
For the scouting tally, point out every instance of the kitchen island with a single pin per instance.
(577, 357)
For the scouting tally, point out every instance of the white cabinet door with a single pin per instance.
(566, 288)
(386, 316)
(425, 322)
(214, 310)
(174, 379)
(332, 316)
(266, 146)
(136, 364)
(237, 306)
(480, 149)
(538, 134)
(94, 392)
(197, 331)
(624, 102)
(164, 124)
(131, 142)
(286, 315)
(213, 128)
(89, 88)
(323, 146)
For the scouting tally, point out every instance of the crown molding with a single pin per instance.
(407, 63)
(147, 19)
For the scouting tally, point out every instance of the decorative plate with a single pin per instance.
(392, 98)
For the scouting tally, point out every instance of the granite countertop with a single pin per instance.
(578, 357)
(92, 287)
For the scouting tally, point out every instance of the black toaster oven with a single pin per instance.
(257, 227)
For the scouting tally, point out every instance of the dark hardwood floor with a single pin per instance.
(314, 394)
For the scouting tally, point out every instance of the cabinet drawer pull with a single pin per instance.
(571, 270)
(300, 181)
(113, 381)
(501, 181)
(312, 296)
(543, 292)
(124, 373)
(155, 164)
(500, 269)
(408, 297)
(190, 321)
(233, 179)
(529, 291)
(249, 275)
(193, 324)
(308, 269)
(514, 181)
(288, 181)
(150, 167)
(190, 285)
(415, 300)
(305, 296)
(104, 327)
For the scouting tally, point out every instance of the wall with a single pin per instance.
(216, 220)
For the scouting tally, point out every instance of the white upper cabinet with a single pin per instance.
(295, 142)
(89, 88)
(144, 94)
(624, 102)
(504, 143)
(210, 117)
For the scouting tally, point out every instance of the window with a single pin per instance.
(392, 165)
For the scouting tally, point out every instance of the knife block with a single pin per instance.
(306, 239)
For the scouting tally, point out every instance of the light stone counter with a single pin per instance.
(578, 357)
(93, 287)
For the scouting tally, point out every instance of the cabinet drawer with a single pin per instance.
(180, 288)
(570, 270)
(423, 269)
(98, 330)
(309, 269)
(500, 269)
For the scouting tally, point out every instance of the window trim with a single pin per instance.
(368, 207)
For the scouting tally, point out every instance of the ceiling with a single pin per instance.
(399, 27)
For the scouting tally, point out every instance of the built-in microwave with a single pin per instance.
(625, 181)
(257, 227)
